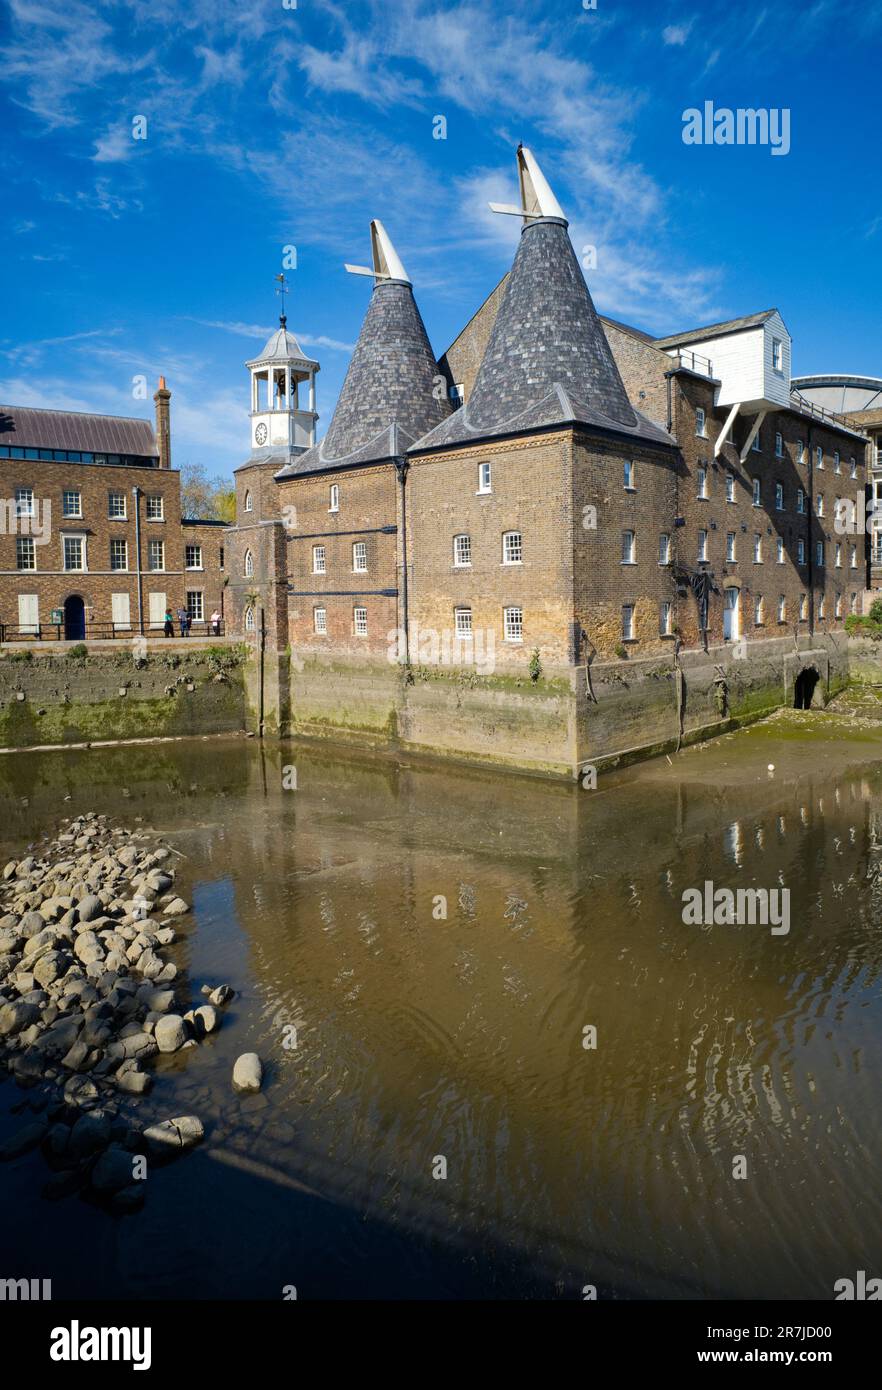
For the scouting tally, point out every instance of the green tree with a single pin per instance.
(205, 498)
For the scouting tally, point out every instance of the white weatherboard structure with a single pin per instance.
(537, 199)
(387, 262)
(280, 421)
(750, 358)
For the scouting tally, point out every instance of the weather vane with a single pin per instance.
(283, 288)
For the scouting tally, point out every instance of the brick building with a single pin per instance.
(556, 487)
(92, 541)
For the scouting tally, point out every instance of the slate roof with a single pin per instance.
(67, 429)
(391, 394)
(548, 361)
(715, 330)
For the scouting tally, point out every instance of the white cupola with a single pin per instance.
(283, 413)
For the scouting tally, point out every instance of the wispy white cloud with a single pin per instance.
(28, 354)
(675, 35)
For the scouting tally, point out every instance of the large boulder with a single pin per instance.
(170, 1032)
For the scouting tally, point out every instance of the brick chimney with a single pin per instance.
(161, 400)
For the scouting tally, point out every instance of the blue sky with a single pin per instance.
(270, 127)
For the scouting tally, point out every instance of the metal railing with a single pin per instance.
(101, 632)
(820, 412)
(694, 362)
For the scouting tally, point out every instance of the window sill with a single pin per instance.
(667, 636)
(630, 489)
(486, 493)
(630, 563)
(514, 641)
(512, 564)
(629, 641)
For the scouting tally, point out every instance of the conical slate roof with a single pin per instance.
(393, 392)
(548, 361)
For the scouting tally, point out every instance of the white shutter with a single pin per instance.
(29, 613)
(157, 610)
(119, 610)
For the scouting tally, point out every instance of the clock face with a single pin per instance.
(260, 434)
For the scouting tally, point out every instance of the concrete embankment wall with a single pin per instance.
(52, 697)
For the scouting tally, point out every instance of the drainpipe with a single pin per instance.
(668, 377)
(260, 700)
(402, 466)
(136, 493)
(809, 542)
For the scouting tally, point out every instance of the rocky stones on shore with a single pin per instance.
(87, 998)
(248, 1073)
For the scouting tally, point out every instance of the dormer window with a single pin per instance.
(457, 396)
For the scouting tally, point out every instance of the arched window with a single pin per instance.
(248, 502)
(249, 564)
(249, 619)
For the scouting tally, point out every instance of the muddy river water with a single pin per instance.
(499, 1063)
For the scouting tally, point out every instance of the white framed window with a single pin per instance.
(513, 624)
(457, 395)
(248, 567)
(757, 494)
(320, 620)
(837, 462)
(819, 502)
(462, 551)
(701, 480)
(757, 548)
(74, 552)
(852, 557)
(853, 603)
(800, 451)
(462, 620)
(730, 488)
(819, 554)
(318, 559)
(779, 497)
(156, 555)
(837, 607)
(334, 498)
(702, 545)
(630, 473)
(757, 443)
(116, 506)
(730, 545)
(819, 457)
(193, 557)
(512, 548)
(777, 355)
(821, 606)
(25, 553)
(803, 607)
(249, 502)
(664, 549)
(758, 609)
(782, 608)
(837, 555)
(71, 503)
(628, 556)
(120, 611)
(155, 509)
(779, 550)
(853, 467)
(24, 501)
(700, 422)
(249, 619)
(359, 621)
(195, 605)
(119, 554)
(800, 501)
(484, 478)
(359, 557)
(627, 622)
(779, 445)
(800, 552)
(665, 618)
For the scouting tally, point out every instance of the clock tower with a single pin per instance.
(283, 414)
